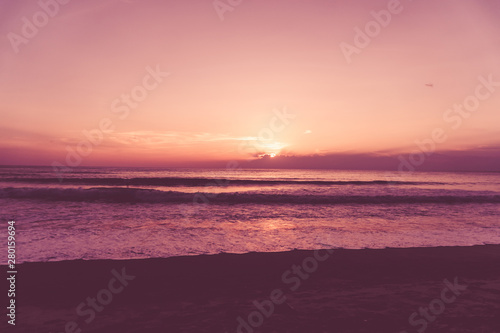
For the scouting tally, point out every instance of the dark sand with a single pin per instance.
(352, 291)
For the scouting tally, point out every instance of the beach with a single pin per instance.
(93, 215)
(363, 290)
(234, 166)
(300, 251)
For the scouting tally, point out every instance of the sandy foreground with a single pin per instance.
(445, 289)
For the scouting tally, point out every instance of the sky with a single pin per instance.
(168, 83)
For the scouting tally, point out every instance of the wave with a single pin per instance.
(131, 195)
(178, 181)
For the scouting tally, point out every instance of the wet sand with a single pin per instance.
(299, 291)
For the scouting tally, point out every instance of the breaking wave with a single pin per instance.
(133, 195)
(179, 181)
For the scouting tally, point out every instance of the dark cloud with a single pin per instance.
(482, 159)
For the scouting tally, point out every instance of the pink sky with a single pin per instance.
(227, 79)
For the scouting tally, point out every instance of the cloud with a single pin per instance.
(154, 138)
(481, 159)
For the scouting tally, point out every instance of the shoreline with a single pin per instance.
(341, 290)
(3, 265)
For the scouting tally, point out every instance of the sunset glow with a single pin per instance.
(172, 83)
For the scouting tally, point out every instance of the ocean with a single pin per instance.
(131, 213)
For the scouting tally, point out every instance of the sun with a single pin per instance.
(268, 155)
